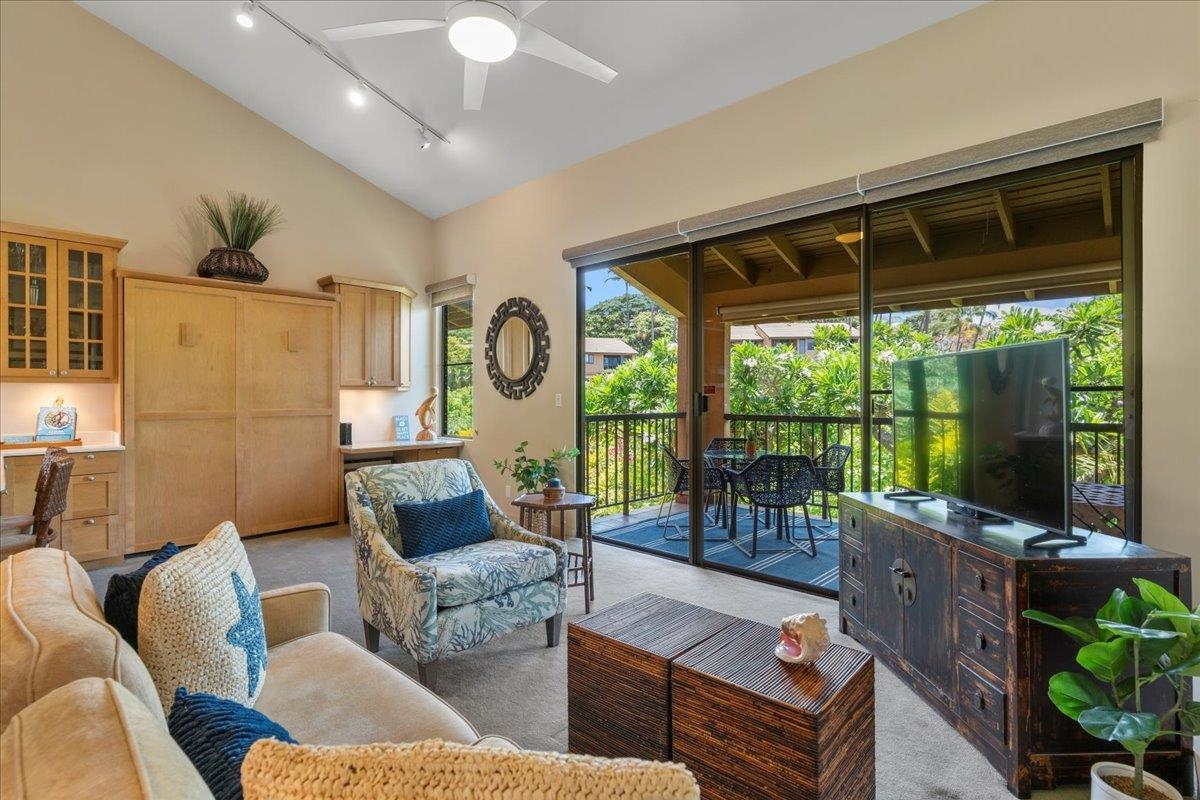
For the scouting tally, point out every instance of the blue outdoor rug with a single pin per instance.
(791, 565)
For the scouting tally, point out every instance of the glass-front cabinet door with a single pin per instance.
(58, 301)
(30, 293)
(86, 314)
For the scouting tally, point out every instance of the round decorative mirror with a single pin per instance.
(517, 348)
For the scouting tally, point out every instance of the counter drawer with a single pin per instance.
(850, 523)
(92, 538)
(982, 583)
(92, 463)
(982, 703)
(981, 641)
(437, 452)
(95, 495)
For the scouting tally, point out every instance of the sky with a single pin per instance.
(601, 288)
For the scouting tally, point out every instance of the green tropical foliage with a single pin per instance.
(460, 394)
(242, 220)
(531, 474)
(1130, 643)
(643, 384)
(633, 318)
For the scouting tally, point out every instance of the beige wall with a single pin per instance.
(1001, 69)
(100, 134)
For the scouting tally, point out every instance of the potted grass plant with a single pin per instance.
(240, 222)
(1130, 644)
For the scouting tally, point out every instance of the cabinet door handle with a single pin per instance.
(89, 522)
(53, 374)
(979, 701)
(63, 372)
(854, 600)
(980, 583)
(902, 572)
(90, 478)
(854, 561)
(980, 641)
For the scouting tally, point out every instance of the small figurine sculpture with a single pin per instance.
(427, 416)
(802, 639)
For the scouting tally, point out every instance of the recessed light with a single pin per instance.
(245, 17)
(358, 95)
(849, 237)
(482, 31)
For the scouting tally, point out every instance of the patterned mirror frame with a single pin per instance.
(524, 309)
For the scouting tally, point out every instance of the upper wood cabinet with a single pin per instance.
(376, 331)
(59, 300)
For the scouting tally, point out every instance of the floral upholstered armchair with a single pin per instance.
(449, 601)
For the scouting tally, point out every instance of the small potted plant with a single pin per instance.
(531, 474)
(1131, 643)
(240, 223)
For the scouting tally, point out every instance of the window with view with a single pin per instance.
(458, 391)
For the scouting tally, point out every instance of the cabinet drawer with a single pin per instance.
(982, 583)
(981, 641)
(981, 703)
(437, 452)
(91, 538)
(92, 496)
(850, 523)
(851, 598)
(91, 463)
(852, 561)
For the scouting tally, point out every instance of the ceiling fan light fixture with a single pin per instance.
(849, 237)
(482, 31)
(245, 17)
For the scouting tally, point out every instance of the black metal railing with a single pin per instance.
(624, 466)
(623, 463)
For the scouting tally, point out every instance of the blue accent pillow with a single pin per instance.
(216, 734)
(443, 524)
(121, 597)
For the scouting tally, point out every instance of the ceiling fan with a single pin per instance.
(484, 32)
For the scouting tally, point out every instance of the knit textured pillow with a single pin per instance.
(125, 590)
(442, 524)
(216, 733)
(436, 769)
(200, 623)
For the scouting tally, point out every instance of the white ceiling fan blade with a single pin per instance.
(385, 28)
(474, 79)
(523, 8)
(537, 42)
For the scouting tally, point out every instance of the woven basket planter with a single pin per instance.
(232, 264)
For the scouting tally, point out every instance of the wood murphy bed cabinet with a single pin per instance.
(939, 600)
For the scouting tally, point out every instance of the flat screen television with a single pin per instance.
(986, 430)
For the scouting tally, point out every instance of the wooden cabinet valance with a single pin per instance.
(375, 332)
(58, 294)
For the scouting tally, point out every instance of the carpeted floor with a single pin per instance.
(774, 558)
(516, 686)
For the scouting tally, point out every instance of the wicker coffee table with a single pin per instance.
(661, 679)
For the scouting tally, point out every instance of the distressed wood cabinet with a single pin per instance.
(939, 600)
(58, 292)
(375, 332)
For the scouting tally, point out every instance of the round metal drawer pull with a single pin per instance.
(90, 456)
(91, 477)
(981, 641)
(89, 522)
(64, 372)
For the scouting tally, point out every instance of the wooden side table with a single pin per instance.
(579, 566)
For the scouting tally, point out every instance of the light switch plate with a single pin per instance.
(558, 399)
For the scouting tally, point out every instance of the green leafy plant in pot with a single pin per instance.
(239, 223)
(1131, 643)
(531, 474)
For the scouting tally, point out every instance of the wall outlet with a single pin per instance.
(558, 399)
(508, 491)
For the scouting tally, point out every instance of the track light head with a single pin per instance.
(245, 17)
(425, 142)
(358, 95)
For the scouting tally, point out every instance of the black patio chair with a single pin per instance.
(677, 483)
(778, 483)
(831, 473)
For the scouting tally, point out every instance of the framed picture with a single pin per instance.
(400, 429)
(56, 423)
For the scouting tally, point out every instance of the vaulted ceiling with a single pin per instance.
(676, 60)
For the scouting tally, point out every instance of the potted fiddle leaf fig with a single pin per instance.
(1130, 644)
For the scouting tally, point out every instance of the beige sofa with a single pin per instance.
(322, 687)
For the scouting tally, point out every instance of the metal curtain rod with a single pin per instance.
(349, 70)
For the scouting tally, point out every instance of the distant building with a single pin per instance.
(601, 354)
(798, 335)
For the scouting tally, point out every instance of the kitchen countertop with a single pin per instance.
(388, 447)
(104, 447)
